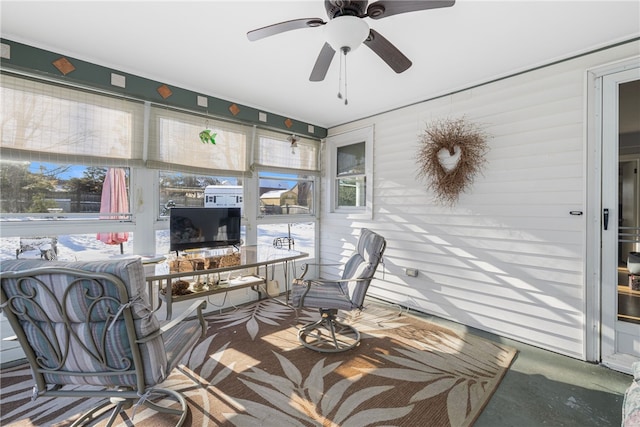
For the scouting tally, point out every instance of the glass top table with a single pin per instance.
(250, 257)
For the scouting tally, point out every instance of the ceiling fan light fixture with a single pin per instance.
(346, 32)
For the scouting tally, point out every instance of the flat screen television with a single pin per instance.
(191, 228)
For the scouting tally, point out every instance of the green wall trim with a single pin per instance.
(32, 60)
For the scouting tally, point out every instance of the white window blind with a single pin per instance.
(47, 122)
(274, 150)
(174, 143)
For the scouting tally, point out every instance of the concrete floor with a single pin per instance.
(547, 389)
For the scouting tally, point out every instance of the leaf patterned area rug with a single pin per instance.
(250, 370)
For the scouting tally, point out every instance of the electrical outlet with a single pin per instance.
(411, 272)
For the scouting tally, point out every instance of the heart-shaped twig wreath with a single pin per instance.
(450, 155)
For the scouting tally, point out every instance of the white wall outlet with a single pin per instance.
(411, 272)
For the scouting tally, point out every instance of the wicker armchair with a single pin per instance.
(89, 324)
(347, 293)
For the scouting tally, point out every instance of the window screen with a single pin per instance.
(351, 160)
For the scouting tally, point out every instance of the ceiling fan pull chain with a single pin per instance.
(340, 80)
(345, 78)
(343, 52)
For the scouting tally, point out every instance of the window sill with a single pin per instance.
(351, 214)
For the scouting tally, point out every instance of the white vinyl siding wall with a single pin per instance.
(508, 258)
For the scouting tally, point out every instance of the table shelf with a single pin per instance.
(231, 285)
(251, 258)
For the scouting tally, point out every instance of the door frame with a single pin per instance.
(599, 336)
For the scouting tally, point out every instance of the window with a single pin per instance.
(58, 145)
(298, 236)
(287, 174)
(66, 247)
(350, 160)
(49, 191)
(287, 170)
(285, 194)
(351, 176)
(191, 190)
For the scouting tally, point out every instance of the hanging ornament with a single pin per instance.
(293, 140)
(208, 136)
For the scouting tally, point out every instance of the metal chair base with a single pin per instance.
(115, 405)
(328, 335)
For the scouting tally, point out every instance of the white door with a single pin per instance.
(620, 341)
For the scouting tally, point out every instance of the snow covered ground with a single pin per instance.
(85, 247)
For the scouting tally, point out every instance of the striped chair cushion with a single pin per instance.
(86, 338)
(325, 295)
(358, 270)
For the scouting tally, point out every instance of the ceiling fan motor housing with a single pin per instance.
(345, 8)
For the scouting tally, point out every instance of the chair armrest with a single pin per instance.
(321, 264)
(197, 307)
(308, 283)
(305, 268)
(321, 281)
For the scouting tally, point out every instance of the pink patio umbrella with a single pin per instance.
(114, 200)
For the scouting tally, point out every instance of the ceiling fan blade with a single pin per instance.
(383, 8)
(281, 27)
(387, 51)
(322, 63)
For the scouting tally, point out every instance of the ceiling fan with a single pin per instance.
(346, 30)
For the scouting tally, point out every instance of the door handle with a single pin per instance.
(605, 219)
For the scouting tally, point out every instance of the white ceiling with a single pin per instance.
(202, 46)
